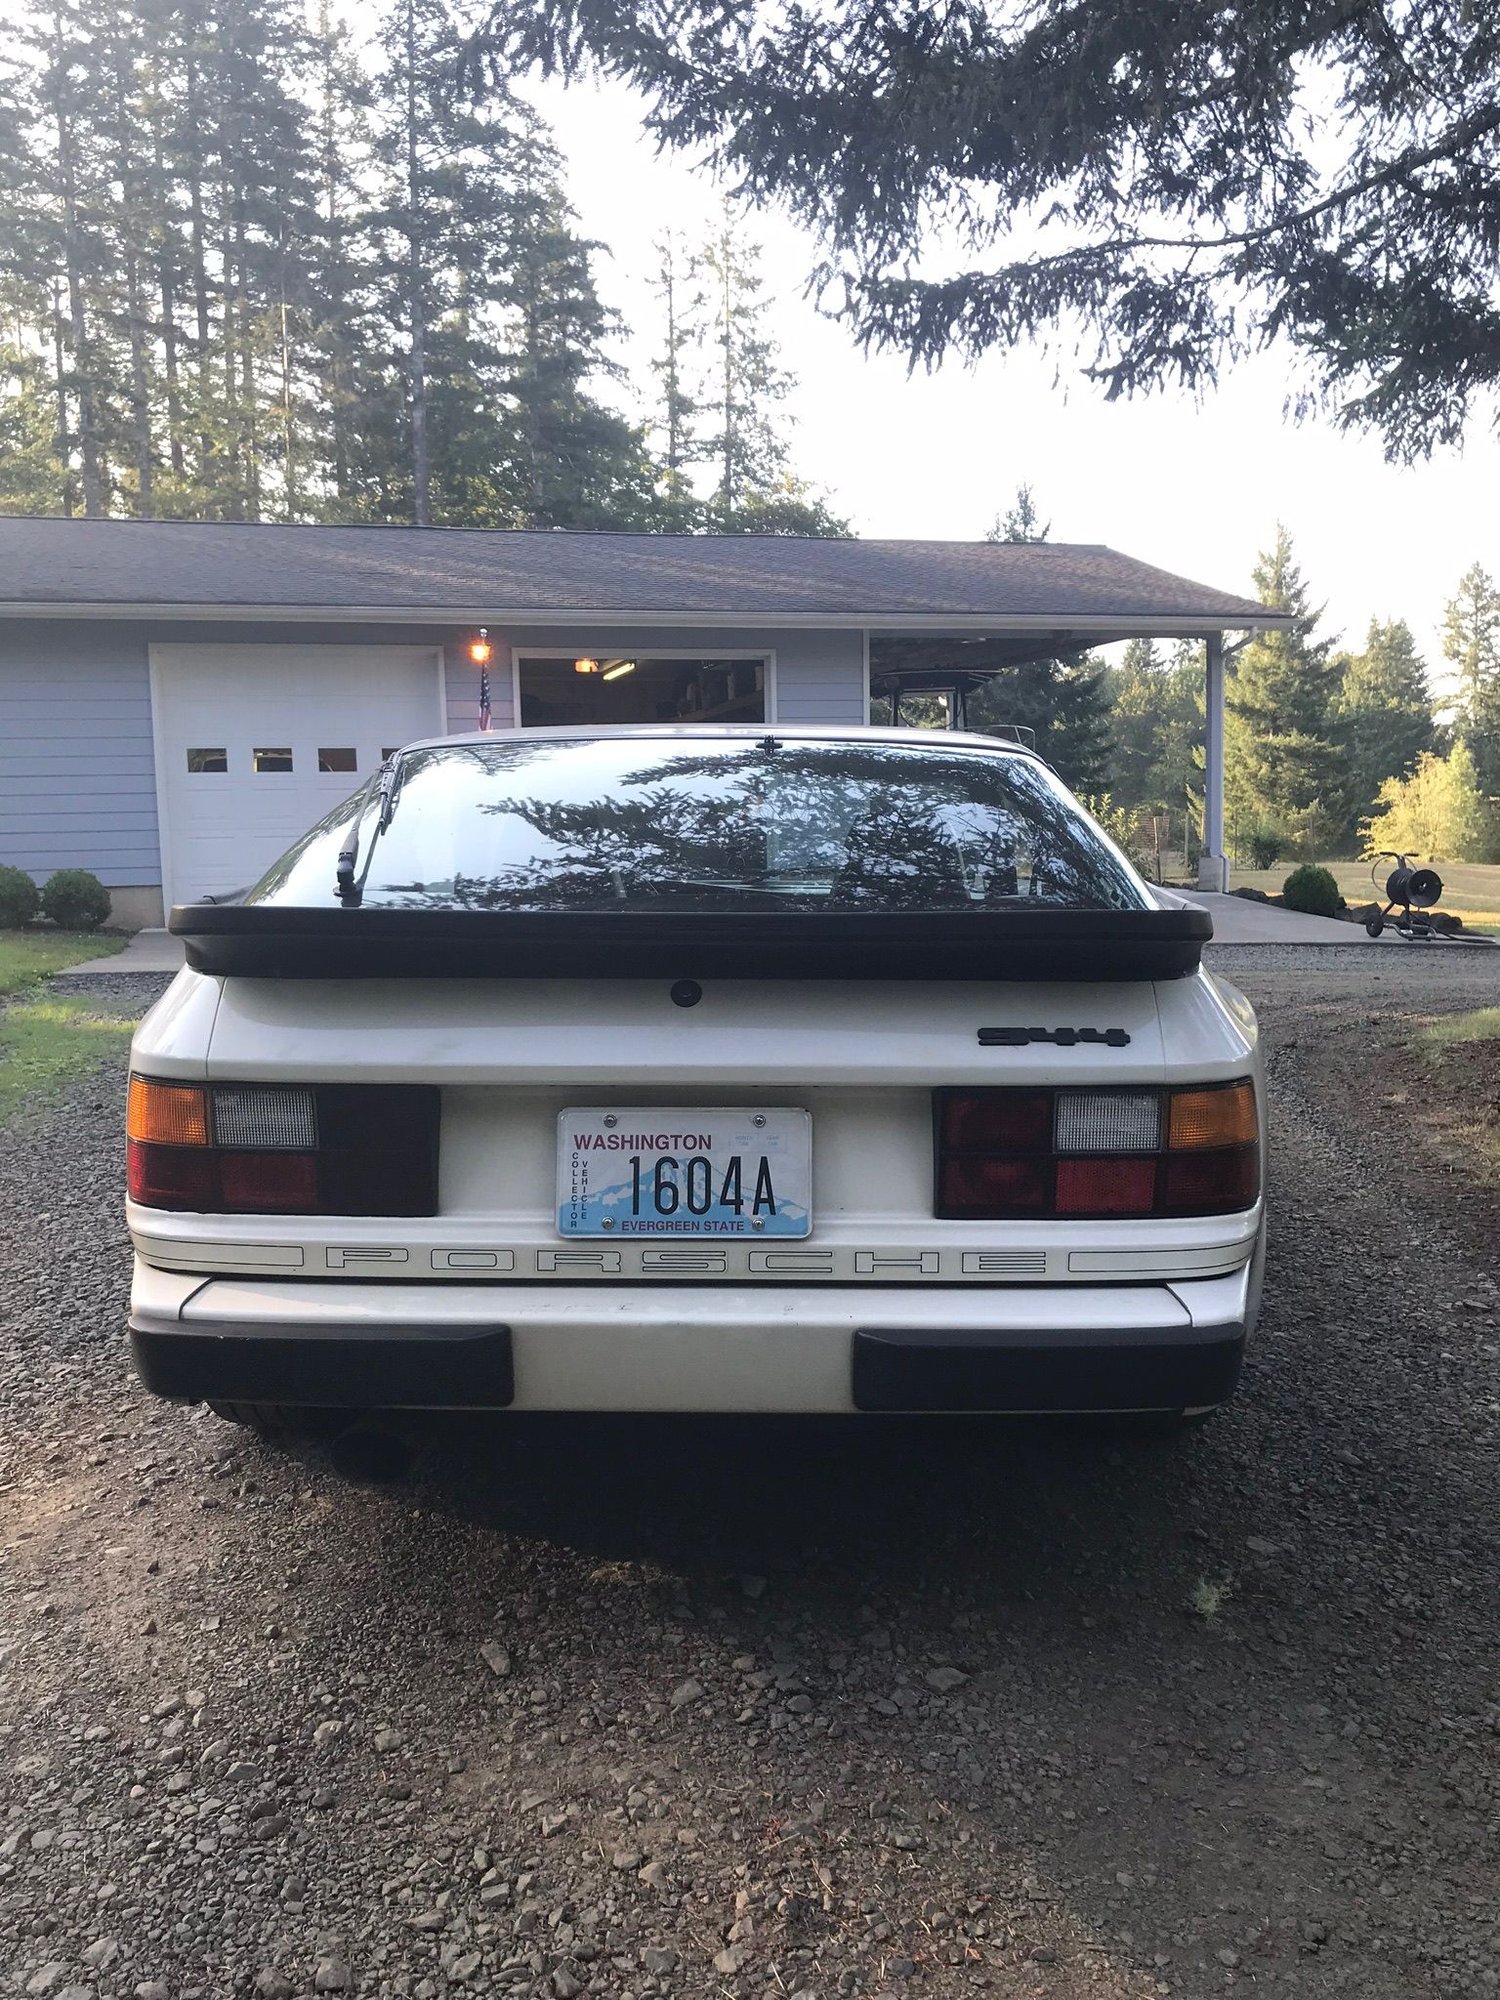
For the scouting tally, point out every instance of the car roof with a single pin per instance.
(697, 732)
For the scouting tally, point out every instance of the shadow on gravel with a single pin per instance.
(893, 1503)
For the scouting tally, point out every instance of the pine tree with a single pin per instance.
(679, 294)
(1383, 712)
(755, 492)
(1471, 642)
(1283, 769)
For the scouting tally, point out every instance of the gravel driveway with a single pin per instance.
(648, 1709)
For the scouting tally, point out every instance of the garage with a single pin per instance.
(255, 743)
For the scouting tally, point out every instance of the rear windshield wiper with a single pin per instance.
(351, 889)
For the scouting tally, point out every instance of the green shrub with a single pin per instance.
(75, 900)
(1264, 846)
(1312, 890)
(19, 899)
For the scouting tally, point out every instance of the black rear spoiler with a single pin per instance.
(267, 941)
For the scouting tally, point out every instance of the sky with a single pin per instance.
(1195, 488)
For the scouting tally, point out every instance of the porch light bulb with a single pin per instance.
(620, 667)
(585, 666)
(481, 652)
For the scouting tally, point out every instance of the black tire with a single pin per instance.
(1374, 926)
(280, 1421)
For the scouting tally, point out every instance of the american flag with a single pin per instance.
(484, 697)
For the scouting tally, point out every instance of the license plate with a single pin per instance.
(686, 1171)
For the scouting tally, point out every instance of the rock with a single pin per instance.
(625, 1859)
(658, 1959)
(326, 1733)
(496, 1657)
(752, 1586)
(170, 1705)
(243, 1774)
(689, 1691)
(900, 1968)
(102, 1953)
(273, 1985)
(388, 1739)
(566, 1985)
(945, 1679)
(464, 1966)
(729, 1960)
(152, 1989)
(653, 1875)
(1226, 1955)
(332, 1976)
(46, 1977)
(1259, 1546)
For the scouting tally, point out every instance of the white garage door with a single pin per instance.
(255, 743)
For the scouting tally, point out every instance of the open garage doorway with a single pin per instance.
(558, 690)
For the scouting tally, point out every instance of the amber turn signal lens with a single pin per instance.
(167, 1114)
(1212, 1118)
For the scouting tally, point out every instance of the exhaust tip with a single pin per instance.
(371, 1455)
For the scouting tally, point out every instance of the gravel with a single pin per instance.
(815, 1709)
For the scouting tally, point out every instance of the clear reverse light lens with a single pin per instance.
(1108, 1121)
(266, 1120)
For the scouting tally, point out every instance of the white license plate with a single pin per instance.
(690, 1170)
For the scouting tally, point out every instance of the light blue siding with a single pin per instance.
(77, 787)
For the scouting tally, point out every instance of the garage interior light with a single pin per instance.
(585, 666)
(614, 671)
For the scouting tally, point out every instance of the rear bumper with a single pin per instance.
(736, 1348)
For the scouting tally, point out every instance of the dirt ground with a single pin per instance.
(714, 1709)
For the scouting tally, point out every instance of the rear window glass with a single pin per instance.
(714, 824)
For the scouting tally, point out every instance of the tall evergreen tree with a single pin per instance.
(1471, 642)
(1382, 714)
(679, 294)
(1283, 768)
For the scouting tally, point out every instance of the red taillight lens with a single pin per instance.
(270, 1183)
(1106, 1186)
(172, 1176)
(283, 1149)
(1210, 1183)
(997, 1121)
(985, 1187)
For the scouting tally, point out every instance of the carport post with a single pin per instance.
(1213, 867)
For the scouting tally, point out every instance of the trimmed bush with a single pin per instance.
(1312, 890)
(19, 899)
(75, 900)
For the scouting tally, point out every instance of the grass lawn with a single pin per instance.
(1471, 889)
(47, 1039)
(27, 956)
(46, 1042)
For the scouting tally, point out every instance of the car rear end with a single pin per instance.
(701, 1192)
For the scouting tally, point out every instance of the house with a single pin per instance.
(179, 700)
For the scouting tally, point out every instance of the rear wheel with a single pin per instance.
(281, 1420)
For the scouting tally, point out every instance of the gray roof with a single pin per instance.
(479, 572)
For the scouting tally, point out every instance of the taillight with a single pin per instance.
(283, 1149)
(1120, 1152)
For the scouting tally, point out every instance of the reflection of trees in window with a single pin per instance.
(743, 826)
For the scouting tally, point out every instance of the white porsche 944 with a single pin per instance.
(697, 1069)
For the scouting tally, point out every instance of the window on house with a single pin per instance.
(262, 761)
(637, 687)
(337, 760)
(208, 760)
